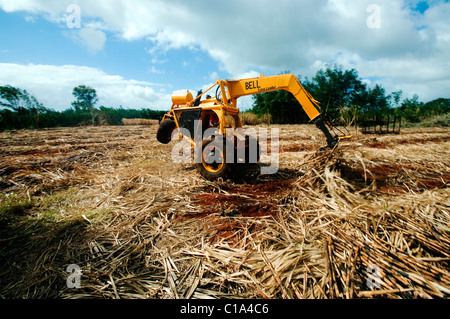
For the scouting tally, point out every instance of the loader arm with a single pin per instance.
(233, 89)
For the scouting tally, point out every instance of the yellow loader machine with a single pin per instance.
(213, 126)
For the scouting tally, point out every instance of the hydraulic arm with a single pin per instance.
(233, 89)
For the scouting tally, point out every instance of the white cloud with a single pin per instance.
(409, 51)
(93, 39)
(154, 70)
(32, 6)
(53, 86)
(213, 76)
(249, 74)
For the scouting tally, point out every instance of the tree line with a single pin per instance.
(342, 94)
(346, 98)
(23, 110)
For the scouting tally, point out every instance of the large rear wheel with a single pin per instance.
(213, 162)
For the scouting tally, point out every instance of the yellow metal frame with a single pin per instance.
(231, 90)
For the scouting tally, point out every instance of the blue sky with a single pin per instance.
(136, 53)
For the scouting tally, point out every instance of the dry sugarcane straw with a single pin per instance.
(111, 200)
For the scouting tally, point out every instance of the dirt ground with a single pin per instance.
(370, 219)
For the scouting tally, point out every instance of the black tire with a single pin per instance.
(215, 166)
(250, 141)
(248, 169)
(165, 130)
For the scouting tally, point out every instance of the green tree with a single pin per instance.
(410, 109)
(27, 107)
(86, 98)
(281, 105)
(11, 98)
(436, 107)
(336, 88)
(396, 98)
(374, 101)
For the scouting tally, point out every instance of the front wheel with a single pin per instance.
(213, 164)
(165, 129)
